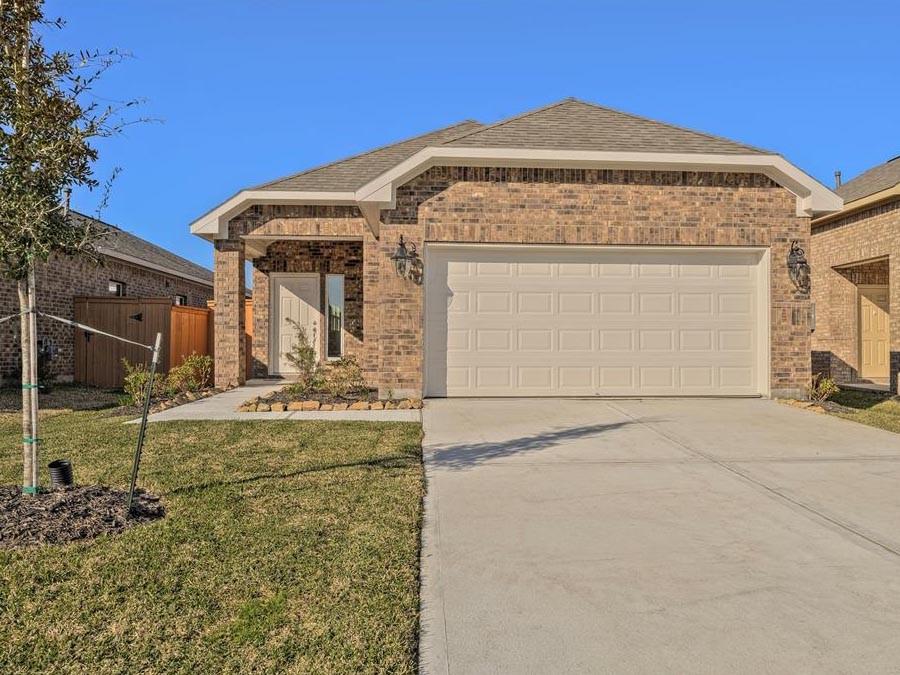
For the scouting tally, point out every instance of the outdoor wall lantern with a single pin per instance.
(798, 268)
(407, 262)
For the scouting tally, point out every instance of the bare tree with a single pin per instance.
(49, 120)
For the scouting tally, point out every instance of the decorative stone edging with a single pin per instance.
(260, 405)
(181, 399)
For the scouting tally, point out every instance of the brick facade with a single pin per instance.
(539, 206)
(59, 282)
(859, 248)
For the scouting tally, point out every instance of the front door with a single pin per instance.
(874, 332)
(295, 301)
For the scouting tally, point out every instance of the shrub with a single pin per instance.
(344, 378)
(135, 384)
(821, 388)
(303, 358)
(192, 375)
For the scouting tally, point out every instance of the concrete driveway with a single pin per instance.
(701, 536)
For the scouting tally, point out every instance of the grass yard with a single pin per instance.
(876, 410)
(287, 547)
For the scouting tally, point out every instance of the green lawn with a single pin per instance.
(876, 410)
(287, 547)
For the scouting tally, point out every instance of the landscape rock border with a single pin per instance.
(260, 404)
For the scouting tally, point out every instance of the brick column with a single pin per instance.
(229, 314)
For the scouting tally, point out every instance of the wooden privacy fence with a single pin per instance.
(98, 359)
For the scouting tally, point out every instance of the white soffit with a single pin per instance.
(813, 198)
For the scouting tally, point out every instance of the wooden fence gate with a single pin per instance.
(98, 360)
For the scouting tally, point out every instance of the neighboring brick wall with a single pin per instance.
(553, 206)
(856, 238)
(63, 278)
(325, 257)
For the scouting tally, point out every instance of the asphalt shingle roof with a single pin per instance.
(576, 125)
(119, 241)
(567, 125)
(354, 172)
(874, 180)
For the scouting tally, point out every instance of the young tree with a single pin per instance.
(49, 121)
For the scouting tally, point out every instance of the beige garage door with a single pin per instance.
(554, 321)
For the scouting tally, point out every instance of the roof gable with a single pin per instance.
(348, 174)
(874, 180)
(576, 125)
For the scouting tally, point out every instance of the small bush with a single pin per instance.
(136, 377)
(192, 375)
(344, 379)
(303, 358)
(821, 388)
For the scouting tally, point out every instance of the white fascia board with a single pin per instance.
(813, 198)
(214, 223)
(138, 262)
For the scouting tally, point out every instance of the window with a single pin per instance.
(334, 299)
(117, 288)
(180, 300)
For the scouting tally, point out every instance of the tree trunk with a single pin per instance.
(28, 485)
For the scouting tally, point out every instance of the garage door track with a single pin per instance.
(658, 536)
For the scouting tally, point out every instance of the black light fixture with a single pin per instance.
(798, 268)
(407, 261)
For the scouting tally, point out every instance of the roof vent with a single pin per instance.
(837, 179)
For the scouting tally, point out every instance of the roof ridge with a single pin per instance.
(672, 126)
(506, 120)
(361, 154)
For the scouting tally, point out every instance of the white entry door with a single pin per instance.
(558, 321)
(295, 297)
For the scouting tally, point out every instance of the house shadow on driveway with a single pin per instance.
(463, 456)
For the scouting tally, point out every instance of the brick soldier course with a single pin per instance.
(497, 204)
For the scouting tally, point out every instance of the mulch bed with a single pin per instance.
(70, 514)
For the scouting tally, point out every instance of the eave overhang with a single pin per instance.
(813, 198)
(860, 204)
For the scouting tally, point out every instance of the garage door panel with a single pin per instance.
(520, 321)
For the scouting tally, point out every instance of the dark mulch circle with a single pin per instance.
(70, 514)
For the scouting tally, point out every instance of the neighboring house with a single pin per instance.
(855, 267)
(572, 250)
(130, 267)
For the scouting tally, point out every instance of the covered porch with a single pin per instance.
(854, 347)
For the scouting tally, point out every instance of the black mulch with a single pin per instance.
(70, 514)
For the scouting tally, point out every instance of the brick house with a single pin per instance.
(856, 254)
(130, 266)
(571, 250)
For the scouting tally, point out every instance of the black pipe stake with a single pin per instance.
(143, 431)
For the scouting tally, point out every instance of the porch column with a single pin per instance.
(230, 354)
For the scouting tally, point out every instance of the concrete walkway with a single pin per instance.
(658, 536)
(224, 407)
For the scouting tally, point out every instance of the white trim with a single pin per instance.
(158, 268)
(273, 325)
(213, 224)
(812, 197)
(764, 297)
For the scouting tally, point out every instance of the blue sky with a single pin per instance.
(249, 90)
